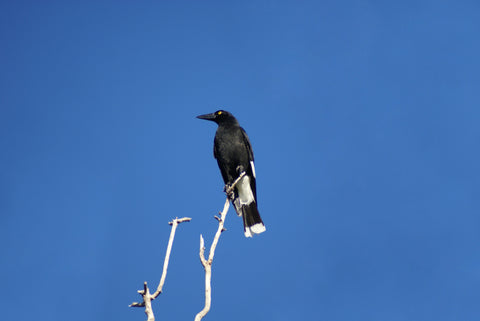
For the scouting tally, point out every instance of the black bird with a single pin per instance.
(234, 154)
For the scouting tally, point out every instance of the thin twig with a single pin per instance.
(174, 225)
(145, 293)
(207, 264)
(221, 222)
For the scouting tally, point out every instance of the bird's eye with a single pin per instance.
(219, 112)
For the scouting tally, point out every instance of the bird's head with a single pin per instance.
(220, 117)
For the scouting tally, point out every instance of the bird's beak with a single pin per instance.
(207, 117)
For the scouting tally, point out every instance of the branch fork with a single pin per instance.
(145, 293)
(207, 264)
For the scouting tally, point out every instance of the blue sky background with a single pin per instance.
(364, 119)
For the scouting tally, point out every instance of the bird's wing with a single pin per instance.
(251, 160)
(221, 165)
(246, 140)
(247, 143)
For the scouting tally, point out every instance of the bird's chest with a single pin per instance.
(230, 146)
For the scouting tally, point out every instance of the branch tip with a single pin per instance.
(180, 220)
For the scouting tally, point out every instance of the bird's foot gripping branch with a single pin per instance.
(228, 189)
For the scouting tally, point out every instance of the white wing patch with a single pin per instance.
(253, 168)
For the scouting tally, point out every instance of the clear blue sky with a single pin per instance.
(364, 119)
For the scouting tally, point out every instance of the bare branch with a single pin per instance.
(145, 293)
(148, 303)
(174, 225)
(202, 251)
(221, 222)
(207, 265)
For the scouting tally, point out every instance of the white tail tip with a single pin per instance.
(254, 229)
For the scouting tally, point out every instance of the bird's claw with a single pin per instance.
(229, 191)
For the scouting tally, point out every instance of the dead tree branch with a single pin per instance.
(207, 264)
(145, 293)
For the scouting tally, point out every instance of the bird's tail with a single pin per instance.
(252, 222)
(246, 206)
